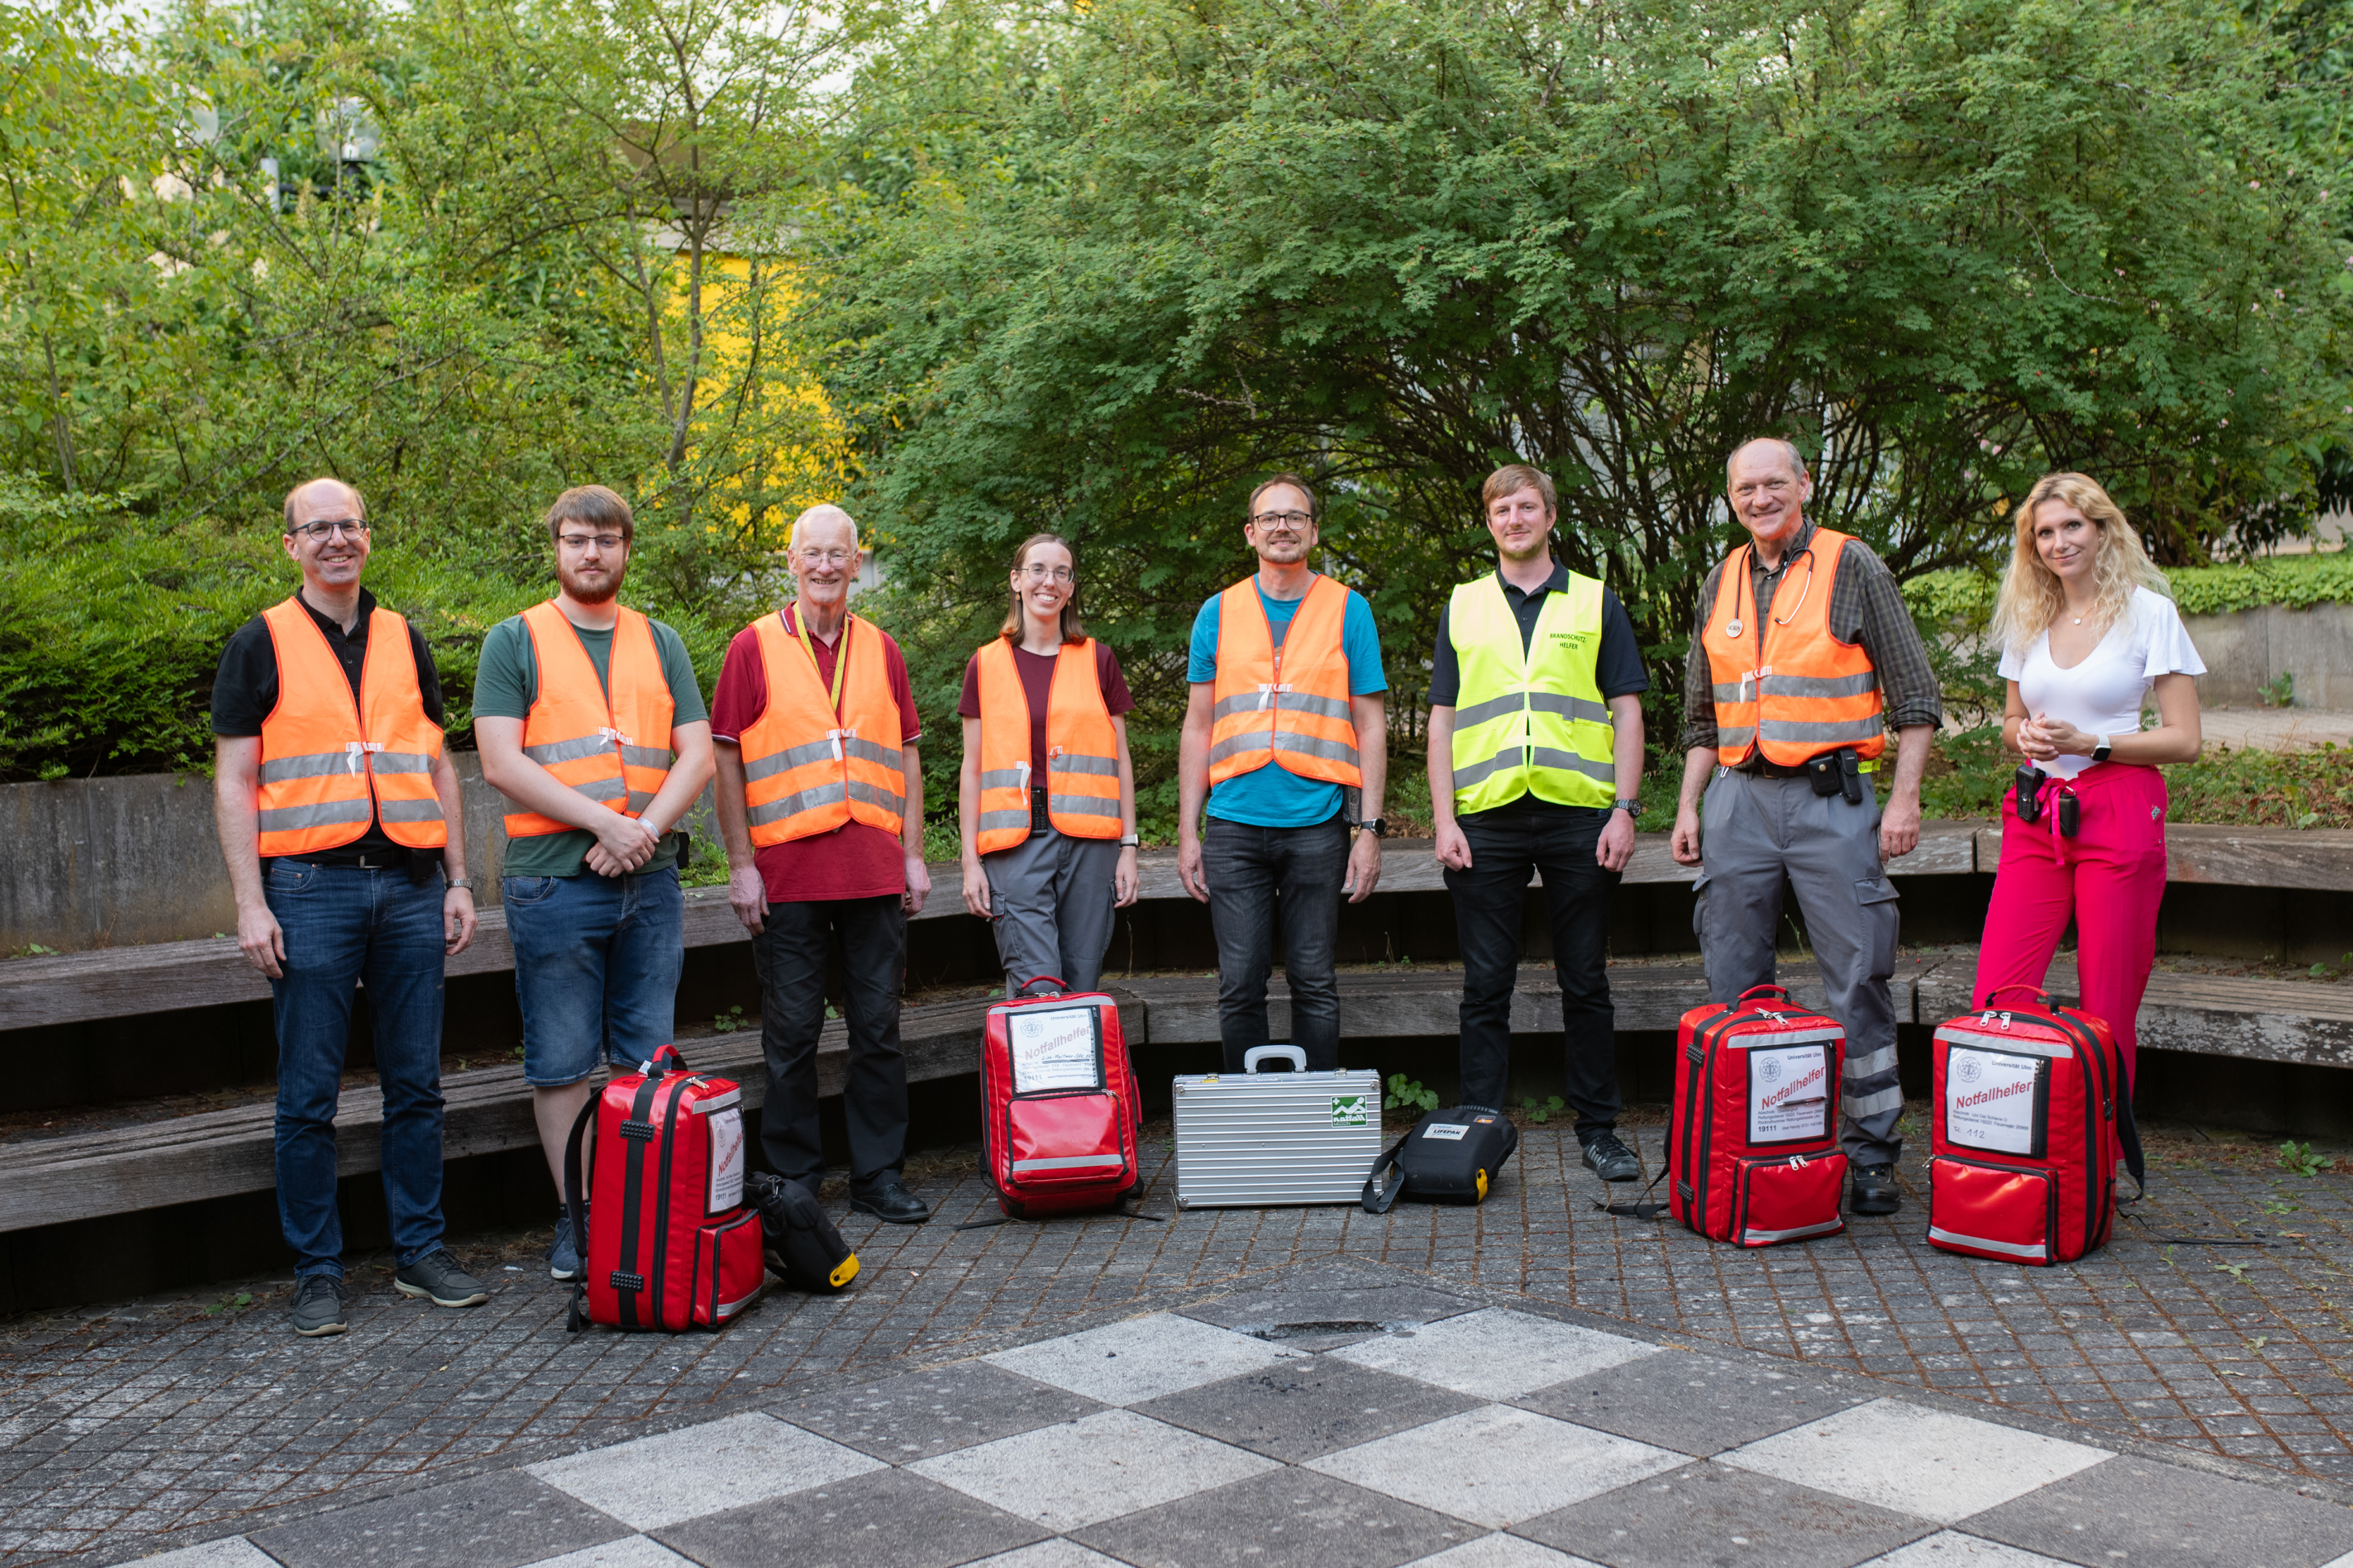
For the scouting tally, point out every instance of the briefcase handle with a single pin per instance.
(1291, 1054)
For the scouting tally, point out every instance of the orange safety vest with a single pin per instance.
(1784, 682)
(1082, 748)
(614, 747)
(330, 766)
(1288, 705)
(808, 770)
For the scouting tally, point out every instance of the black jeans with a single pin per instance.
(870, 937)
(1258, 875)
(1507, 845)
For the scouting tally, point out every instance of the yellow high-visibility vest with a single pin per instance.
(1529, 720)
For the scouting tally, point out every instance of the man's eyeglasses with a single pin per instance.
(1282, 520)
(1039, 573)
(583, 541)
(351, 527)
(826, 557)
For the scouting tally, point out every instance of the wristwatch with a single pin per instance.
(2100, 752)
(1633, 809)
(1129, 840)
(465, 882)
(1376, 826)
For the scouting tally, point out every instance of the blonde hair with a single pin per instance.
(2032, 596)
(1071, 630)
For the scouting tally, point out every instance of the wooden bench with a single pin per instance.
(222, 1152)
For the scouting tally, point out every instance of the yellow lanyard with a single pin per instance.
(841, 657)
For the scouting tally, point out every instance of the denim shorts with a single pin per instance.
(598, 961)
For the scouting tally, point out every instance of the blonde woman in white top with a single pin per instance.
(2089, 634)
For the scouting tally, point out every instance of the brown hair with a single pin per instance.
(1315, 507)
(595, 506)
(1073, 631)
(1511, 479)
(358, 504)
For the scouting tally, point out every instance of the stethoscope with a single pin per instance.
(1733, 627)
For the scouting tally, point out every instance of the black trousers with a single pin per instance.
(869, 936)
(1508, 846)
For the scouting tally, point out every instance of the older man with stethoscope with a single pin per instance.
(1802, 657)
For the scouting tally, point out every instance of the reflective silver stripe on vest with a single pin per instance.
(992, 820)
(555, 751)
(646, 757)
(1074, 1163)
(791, 757)
(1308, 702)
(1480, 713)
(1577, 709)
(1332, 750)
(889, 800)
(1078, 763)
(409, 811)
(1862, 685)
(1082, 805)
(1236, 745)
(804, 799)
(1837, 731)
(400, 763)
(326, 814)
(1000, 778)
(600, 789)
(312, 765)
(1735, 692)
(872, 752)
(1477, 771)
(639, 799)
(1243, 702)
(1735, 737)
(1571, 763)
(2007, 1248)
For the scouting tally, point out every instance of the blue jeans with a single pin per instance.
(345, 925)
(596, 966)
(1259, 875)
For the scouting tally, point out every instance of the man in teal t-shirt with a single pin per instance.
(594, 909)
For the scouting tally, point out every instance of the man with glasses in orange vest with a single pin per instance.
(1285, 715)
(1802, 657)
(335, 803)
(591, 724)
(820, 805)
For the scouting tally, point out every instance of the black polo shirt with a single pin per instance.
(245, 690)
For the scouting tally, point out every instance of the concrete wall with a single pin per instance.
(2252, 647)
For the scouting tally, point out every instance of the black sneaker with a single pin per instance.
(437, 1278)
(1608, 1159)
(318, 1306)
(892, 1201)
(1875, 1191)
(563, 1257)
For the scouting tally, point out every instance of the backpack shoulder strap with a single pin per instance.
(1376, 1198)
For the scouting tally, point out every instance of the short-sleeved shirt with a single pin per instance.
(1272, 796)
(506, 684)
(1037, 673)
(245, 691)
(2103, 695)
(855, 860)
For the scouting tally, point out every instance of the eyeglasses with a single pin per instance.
(583, 541)
(826, 557)
(351, 527)
(1282, 520)
(1039, 573)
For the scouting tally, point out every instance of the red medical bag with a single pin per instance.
(2032, 1114)
(1753, 1136)
(670, 1242)
(1060, 1116)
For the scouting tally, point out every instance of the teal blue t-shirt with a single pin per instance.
(1275, 796)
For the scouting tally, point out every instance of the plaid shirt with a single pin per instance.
(1865, 606)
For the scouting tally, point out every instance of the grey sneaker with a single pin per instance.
(563, 1257)
(318, 1306)
(1610, 1160)
(437, 1278)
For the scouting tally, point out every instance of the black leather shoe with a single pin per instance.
(1875, 1191)
(893, 1202)
(1610, 1160)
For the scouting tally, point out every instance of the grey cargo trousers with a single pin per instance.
(1753, 831)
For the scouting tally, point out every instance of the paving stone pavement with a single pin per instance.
(158, 1424)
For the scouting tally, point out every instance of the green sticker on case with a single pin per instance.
(1348, 1110)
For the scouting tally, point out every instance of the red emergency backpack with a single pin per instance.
(667, 1242)
(1060, 1117)
(1753, 1135)
(2032, 1114)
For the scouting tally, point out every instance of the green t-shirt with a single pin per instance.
(506, 685)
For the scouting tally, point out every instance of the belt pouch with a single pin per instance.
(1822, 773)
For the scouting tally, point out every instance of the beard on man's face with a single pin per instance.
(598, 589)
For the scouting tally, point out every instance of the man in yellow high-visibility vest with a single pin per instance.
(1536, 758)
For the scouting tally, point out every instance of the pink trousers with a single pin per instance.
(2110, 877)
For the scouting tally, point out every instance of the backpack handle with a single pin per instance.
(653, 1067)
(1060, 988)
(2040, 995)
(1291, 1054)
(1780, 990)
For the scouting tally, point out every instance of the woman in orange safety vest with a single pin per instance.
(1047, 803)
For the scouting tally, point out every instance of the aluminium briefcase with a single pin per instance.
(1275, 1139)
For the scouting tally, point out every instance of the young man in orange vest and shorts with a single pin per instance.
(591, 724)
(1285, 713)
(334, 803)
(821, 807)
(1802, 657)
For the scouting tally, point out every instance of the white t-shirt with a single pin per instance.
(2103, 695)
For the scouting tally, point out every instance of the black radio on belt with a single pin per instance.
(1837, 773)
(2027, 791)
